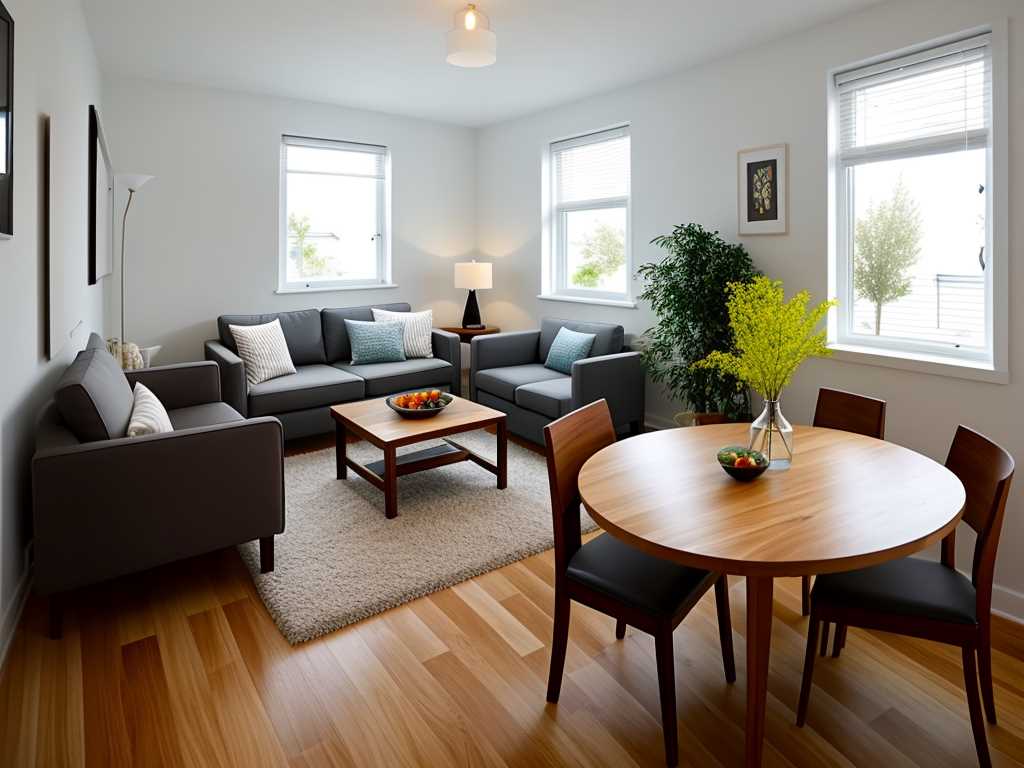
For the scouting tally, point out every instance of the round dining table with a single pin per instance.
(846, 502)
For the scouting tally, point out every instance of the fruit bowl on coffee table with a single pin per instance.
(742, 463)
(421, 404)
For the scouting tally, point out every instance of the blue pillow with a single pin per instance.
(567, 348)
(375, 342)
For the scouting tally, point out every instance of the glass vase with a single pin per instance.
(772, 435)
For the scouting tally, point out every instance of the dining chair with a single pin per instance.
(926, 599)
(848, 412)
(637, 589)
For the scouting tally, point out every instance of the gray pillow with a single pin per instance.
(376, 342)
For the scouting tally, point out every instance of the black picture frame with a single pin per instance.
(101, 194)
(7, 129)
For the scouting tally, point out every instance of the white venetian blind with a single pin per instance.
(592, 167)
(940, 97)
(334, 157)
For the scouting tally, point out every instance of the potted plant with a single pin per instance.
(772, 338)
(687, 291)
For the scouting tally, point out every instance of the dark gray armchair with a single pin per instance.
(507, 372)
(106, 505)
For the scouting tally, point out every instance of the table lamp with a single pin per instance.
(472, 276)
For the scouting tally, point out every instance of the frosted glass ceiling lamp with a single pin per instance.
(472, 43)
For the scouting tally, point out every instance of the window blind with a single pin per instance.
(304, 155)
(592, 167)
(939, 97)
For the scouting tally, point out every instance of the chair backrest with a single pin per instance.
(850, 413)
(569, 442)
(986, 471)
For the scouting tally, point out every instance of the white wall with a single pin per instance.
(55, 74)
(203, 239)
(686, 130)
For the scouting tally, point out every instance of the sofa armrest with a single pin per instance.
(447, 346)
(498, 350)
(112, 507)
(182, 385)
(617, 378)
(233, 387)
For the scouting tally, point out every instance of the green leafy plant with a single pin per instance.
(886, 245)
(687, 291)
(604, 253)
(310, 262)
(773, 337)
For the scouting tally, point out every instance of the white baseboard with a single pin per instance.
(1008, 603)
(12, 615)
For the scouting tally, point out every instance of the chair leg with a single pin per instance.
(824, 638)
(840, 640)
(559, 643)
(266, 554)
(667, 689)
(985, 673)
(725, 627)
(805, 683)
(620, 629)
(805, 595)
(974, 706)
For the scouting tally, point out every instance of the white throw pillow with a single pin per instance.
(417, 330)
(263, 351)
(149, 417)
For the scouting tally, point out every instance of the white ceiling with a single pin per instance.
(388, 55)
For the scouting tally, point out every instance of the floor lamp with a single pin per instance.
(134, 182)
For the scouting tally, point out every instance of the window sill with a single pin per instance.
(620, 303)
(919, 363)
(373, 287)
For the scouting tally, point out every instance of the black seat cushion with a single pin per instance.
(620, 571)
(907, 587)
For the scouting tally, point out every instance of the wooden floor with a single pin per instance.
(183, 666)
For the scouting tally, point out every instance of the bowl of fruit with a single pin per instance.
(741, 463)
(420, 405)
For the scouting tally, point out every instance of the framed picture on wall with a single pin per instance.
(101, 202)
(763, 181)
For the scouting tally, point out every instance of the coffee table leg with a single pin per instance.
(340, 442)
(759, 638)
(390, 483)
(502, 455)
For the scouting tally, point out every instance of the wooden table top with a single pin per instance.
(373, 420)
(847, 501)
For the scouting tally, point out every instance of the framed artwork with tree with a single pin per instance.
(763, 178)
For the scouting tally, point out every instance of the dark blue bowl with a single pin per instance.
(743, 474)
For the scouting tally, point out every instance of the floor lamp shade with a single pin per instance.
(473, 276)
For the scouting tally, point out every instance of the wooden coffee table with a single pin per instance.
(374, 422)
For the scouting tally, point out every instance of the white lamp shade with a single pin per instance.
(472, 47)
(473, 275)
(133, 181)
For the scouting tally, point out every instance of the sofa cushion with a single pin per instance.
(94, 398)
(386, 378)
(205, 415)
(568, 347)
(551, 398)
(302, 330)
(311, 386)
(608, 337)
(503, 382)
(336, 343)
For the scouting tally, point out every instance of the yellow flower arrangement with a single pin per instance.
(772, 336)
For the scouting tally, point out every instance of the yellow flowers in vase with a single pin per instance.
(773, 337)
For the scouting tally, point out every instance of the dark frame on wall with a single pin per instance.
(7, 129)
(101, 193)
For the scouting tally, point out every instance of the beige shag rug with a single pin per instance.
(340, 560)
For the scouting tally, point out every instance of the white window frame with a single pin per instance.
(383, 277)
(990, 363)
(555, 283)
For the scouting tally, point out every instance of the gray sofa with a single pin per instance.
(106, 505)
(319, 347)
(507, 372)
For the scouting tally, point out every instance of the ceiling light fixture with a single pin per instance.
(472, 43)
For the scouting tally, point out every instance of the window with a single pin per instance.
(912, 143)
(334, 215)
(590, 217)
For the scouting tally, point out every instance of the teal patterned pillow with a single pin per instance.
(375, 342)
(567, 348)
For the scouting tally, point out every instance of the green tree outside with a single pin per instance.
(604, 253)
(310, 263)
(886, 246)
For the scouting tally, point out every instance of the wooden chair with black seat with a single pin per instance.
(645, 592)
(848, 412)
(927, 599)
